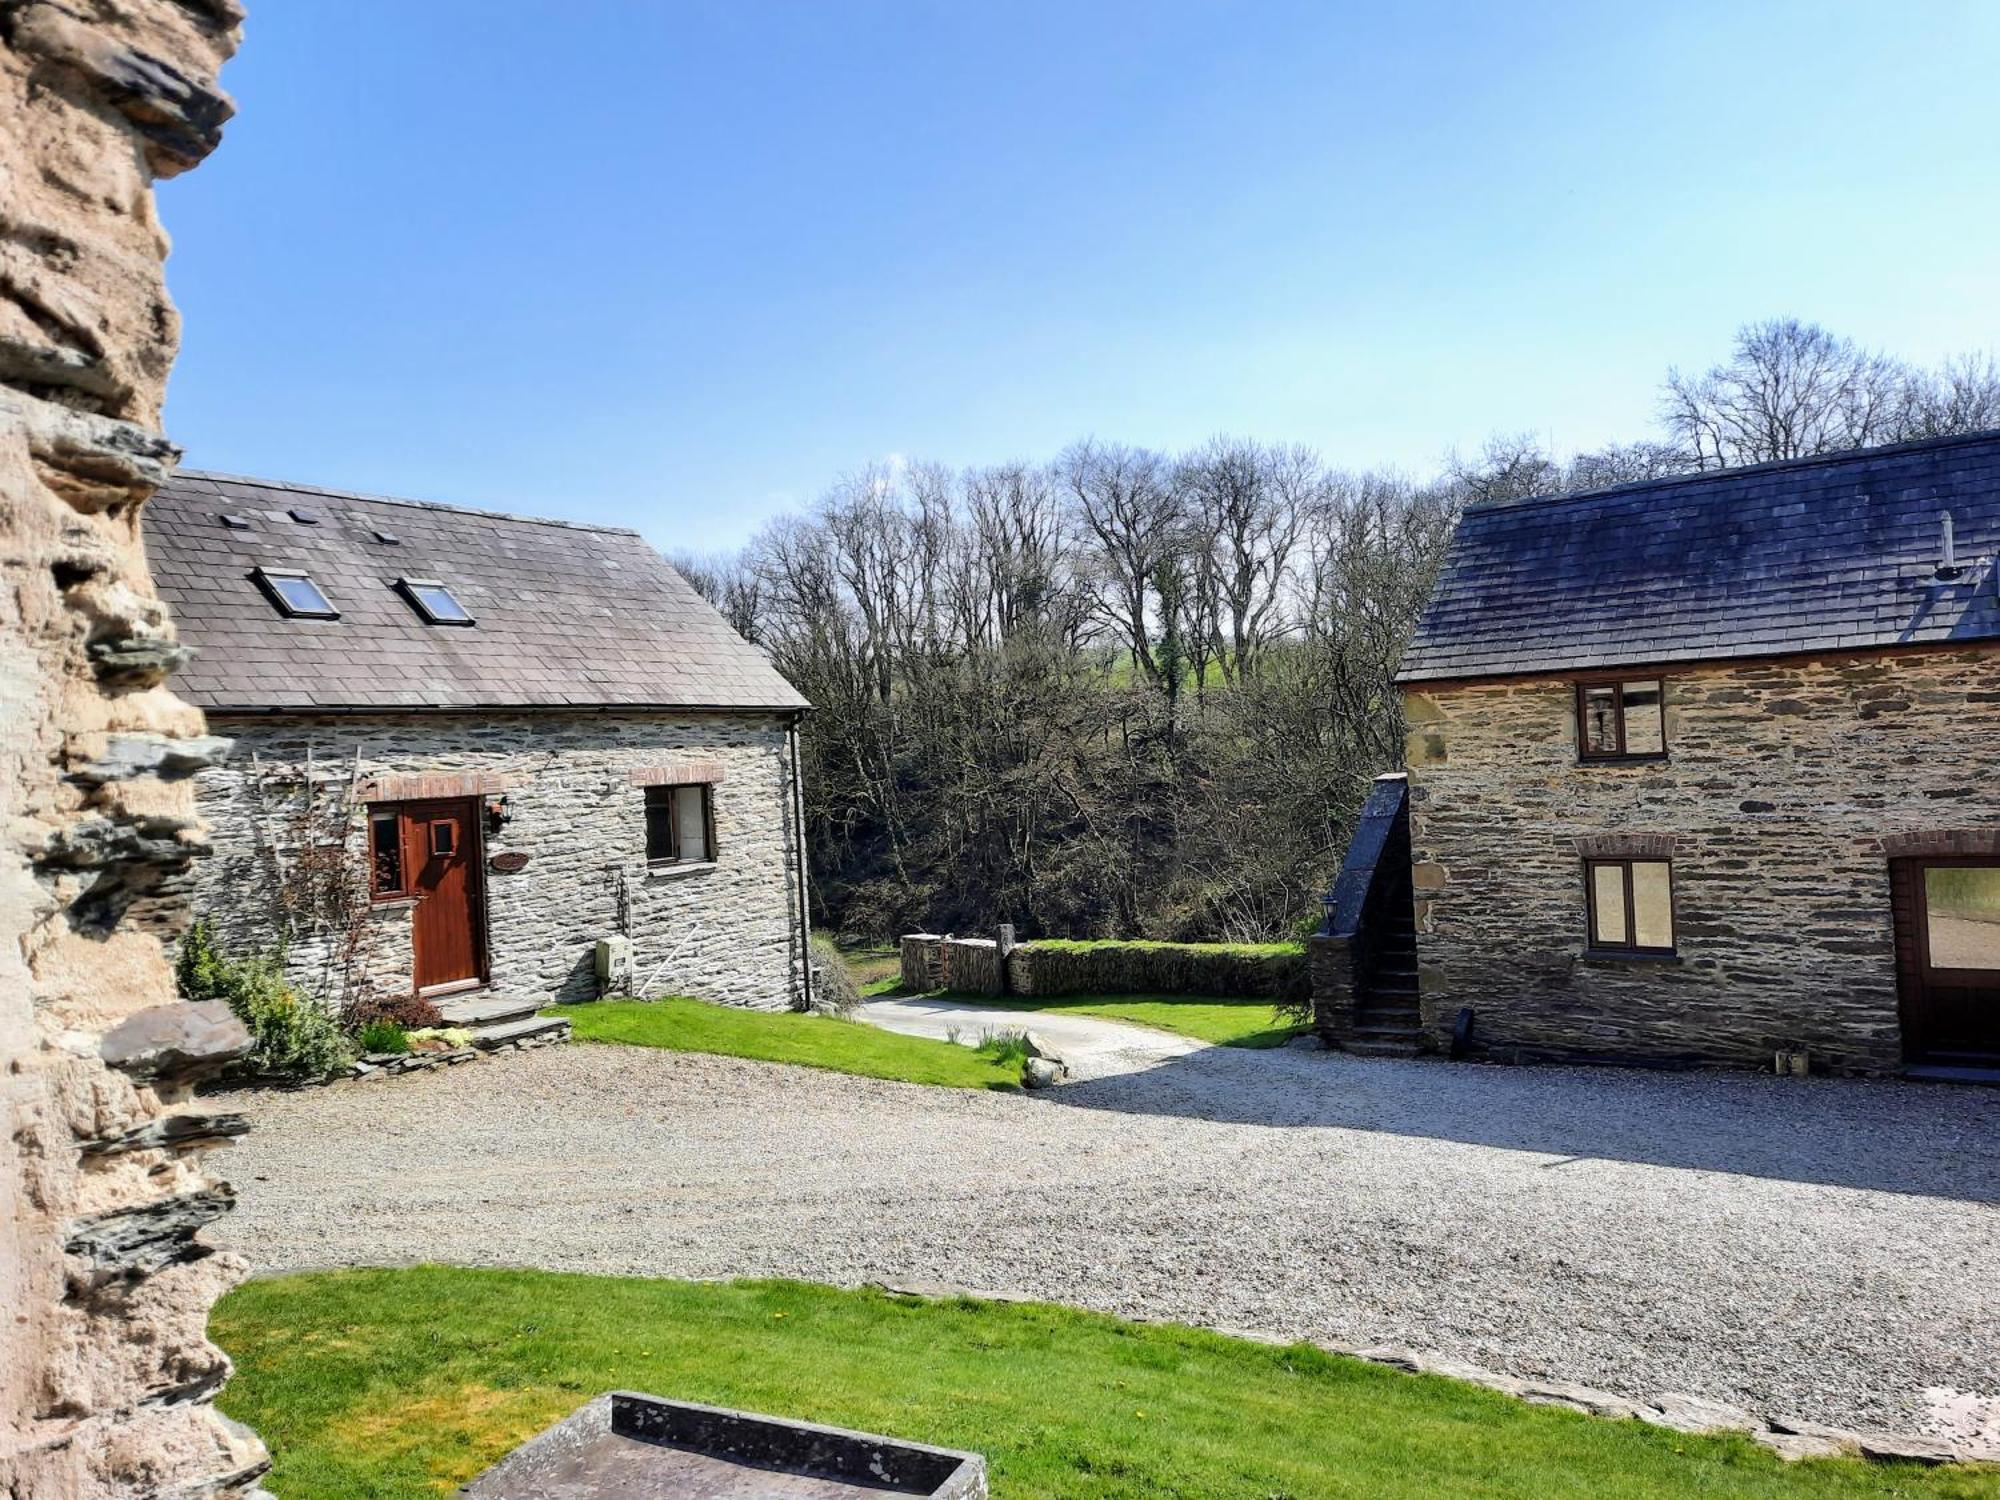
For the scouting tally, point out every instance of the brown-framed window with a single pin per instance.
(680, 824)
(1631, 903)
(1621, 719)
(388, 870)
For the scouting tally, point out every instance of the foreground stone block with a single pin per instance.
(626, 1444)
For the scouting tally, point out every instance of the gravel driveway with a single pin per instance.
(1829, 1249)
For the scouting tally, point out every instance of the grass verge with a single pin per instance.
(683, 1025)
(408, 1382)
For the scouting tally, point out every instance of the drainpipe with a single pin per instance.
(799, 844)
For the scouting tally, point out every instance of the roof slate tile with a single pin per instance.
(1824, 553)
(566, 613)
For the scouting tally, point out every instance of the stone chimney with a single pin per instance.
(106, 1373)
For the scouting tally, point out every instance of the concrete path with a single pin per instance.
(1093, 1048)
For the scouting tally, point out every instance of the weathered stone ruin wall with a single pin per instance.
(105, 1371)
(1782, 782)
(728, 930)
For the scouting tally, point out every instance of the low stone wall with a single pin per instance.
(1335, 1003)
(972, 966)
(965, 966)
(1141, 968)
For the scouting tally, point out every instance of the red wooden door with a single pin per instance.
(1948, 957)
(440, 844)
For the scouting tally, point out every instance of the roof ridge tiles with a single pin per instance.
(1637, 487)
(327, 492)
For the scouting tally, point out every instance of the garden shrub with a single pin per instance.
(834, 986)
(1051, 967)
(411, 1012)
(383, 1036)
(289, 1033)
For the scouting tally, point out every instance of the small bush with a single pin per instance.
(834, 986)
(383, 1036)
(411, 1012)
(1004, 1046)
(451, 1038)
(289, 1033)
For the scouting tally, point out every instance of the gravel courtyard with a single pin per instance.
(1827, 1249)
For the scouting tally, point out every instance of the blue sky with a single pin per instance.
(678, 265)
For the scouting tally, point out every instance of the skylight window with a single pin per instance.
(434, 601)
(235, 523)
(305, 517)
(296, 594)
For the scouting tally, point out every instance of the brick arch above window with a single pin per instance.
(1942, 842)
(678, 773)
(1626, 845)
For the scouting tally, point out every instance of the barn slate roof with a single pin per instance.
(567, 615)
(1832, 553)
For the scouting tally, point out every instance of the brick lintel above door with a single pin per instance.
(430, 786)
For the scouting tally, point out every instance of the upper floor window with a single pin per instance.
(295, 594)
(1631, 905)
(680, 824)
(434, 601)
(1621, 720)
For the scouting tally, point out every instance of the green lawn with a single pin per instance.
(406, 1383)
(1221, 1022)
(788, 1037)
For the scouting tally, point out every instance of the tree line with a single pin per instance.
(1130, 693)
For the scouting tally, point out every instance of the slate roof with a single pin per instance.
(568, 615)
(1810, 555)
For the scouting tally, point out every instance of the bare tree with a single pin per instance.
(1243, 507)
(1788, 390)
(1127, 517)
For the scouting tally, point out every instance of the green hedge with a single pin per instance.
(1055, 967)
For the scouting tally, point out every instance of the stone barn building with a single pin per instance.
(561, 771)
(1704, 769)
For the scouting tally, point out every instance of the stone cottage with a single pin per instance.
(1703, 769)
(484, 758)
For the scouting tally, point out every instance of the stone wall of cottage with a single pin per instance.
(726, 930)
(1781, 783)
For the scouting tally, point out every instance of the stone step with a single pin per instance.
(487, 1038)
(1409, 1019)
(1954, 1073)
(1371, 1047)
(484, 1010)
(1388, 1029)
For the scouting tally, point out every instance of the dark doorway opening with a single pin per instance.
(1947, 913)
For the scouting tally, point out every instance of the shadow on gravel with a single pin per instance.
(1889, 1136)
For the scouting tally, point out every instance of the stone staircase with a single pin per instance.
(1386, 1022)
(1364, 959)
(499, 1025)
